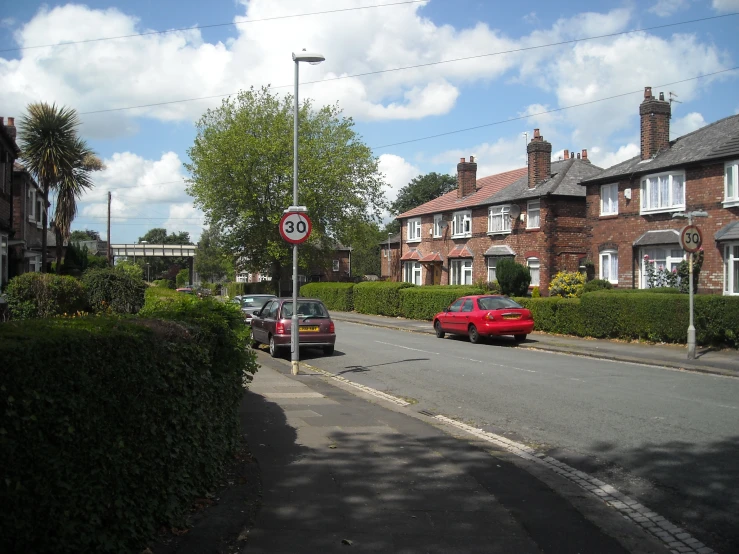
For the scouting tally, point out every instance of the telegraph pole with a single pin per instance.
(109, 249)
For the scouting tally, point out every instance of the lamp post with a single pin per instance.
(313, 58)
(148, 277)
(691, 327)
(389, 257)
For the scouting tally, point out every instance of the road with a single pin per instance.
(668, 438)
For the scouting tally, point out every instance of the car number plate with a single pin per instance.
(511, 316)
(309, 328)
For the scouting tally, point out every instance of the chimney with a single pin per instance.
(655, 124)
(585, 155)
(10, 127)
(466, 177)
(567, 154)
(540, 159)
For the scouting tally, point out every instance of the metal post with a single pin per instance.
(294, 326)
(691, 326)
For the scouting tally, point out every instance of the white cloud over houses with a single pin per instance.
(686, 124)
(398, 173)
(726, 5)
(666, 8)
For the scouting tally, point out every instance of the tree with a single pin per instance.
(211, 262)
(242, 175)
(82, 236)
(159, 266)
(366, 250)
(50, 150)
(422, 189)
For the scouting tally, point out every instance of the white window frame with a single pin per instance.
(4, 254)
(336, 266)
(502, 212)
(606, 259)
(462, 224)
(437, 226)
(31, 205)
(534, 264)
(669, 261)
(731, 269)
(731, 197)
(460, 270)
(412, 272)
(533, 207)
(40, 210)
(413, 233)
(384, 252)
(609, 199)
(649, 181)
(492, 264)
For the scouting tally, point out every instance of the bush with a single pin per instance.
(183, 278)
(379, 297)
(97, 262)
(426, 302)
(514, 279)
(164, 284)
(240, 289)
(336, 296)
(555, 314)
(489, 287)
(76, 259)
(535, 293)
(595, 285)
(113, 289)
(131, 268)
(34, 295)
(111, 427)
(567, 284)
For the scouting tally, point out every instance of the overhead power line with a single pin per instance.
(417, 66)
(554, 110)
(211, 26)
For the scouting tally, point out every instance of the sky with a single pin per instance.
(426, 82)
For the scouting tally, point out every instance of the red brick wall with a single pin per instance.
(704, 191)
(655, 124)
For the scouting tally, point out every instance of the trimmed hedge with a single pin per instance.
(379, 297)
(33, 295)
(112, 426)
(240, 289)
(111, 289)
(555, 314)
(336, 296)
(426, 302)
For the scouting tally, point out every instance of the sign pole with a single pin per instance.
(691, 325)
(294, 330)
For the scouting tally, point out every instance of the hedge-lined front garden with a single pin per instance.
(336, 296)
(379, 297)
(113, 425)
(426, 302)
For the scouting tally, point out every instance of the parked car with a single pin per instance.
(185, 290)
(484, 315)
(251, 304)
(272, 325)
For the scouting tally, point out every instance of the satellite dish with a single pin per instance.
(514, 211)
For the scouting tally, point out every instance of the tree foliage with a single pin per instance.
(514, 278)
(422, 189)
(81, 236)
(211, 261)
(242, 177)
(159, 267)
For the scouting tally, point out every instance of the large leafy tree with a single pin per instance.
(242, 176)
(83, 235)
(211, 262)
(53, 152)
(420, 190)
(366, 250)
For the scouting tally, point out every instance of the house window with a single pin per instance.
(731, 184)
(412, 272)
(663, 260)
(609, 266)
(533, 216)
(3, 260)
(609, 199)
(437, 225)
(461, 272)
(499, 220)
(492, 264)
(31, 205)
(462, 224)
(384, 252)
(663, 193)
(414, 229)
(534, 265)
(731, 268)
(39, 212)
(336, 265)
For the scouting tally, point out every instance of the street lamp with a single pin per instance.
(314, 59)
(389, 257)
(148, 277)
(691, 327)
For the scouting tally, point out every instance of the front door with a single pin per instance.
(437, 274)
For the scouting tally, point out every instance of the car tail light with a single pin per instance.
(331, 328)
(527, 315)
(280, 328)
(489, 316)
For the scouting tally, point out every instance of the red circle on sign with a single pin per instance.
(691, 239)
(295, 227)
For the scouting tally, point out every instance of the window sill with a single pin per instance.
(608, 216)
(493, 233)
(413, 241)
(730, 203)
(465, 236)
(533, 229)
(662, 211)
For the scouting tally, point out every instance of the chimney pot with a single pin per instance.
(11, 122)
(2, 120)
(578, 155)
(584, 154)
(662, 96)
(567, 154)
(461, 160)
(536, 133)
(647, 92)
(472, 159)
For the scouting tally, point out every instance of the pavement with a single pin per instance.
(708, 359)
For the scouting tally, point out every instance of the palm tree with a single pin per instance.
(50, 150)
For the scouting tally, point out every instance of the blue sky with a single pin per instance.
(144, 148)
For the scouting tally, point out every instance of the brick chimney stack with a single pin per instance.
(10, 127)
(540, 159)
(585, 155)
(466, 177)
(567, 155)
(655, 124)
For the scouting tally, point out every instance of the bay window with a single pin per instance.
(414, 229)
(609, 266)
(461, 271)
(609, 199)
(412, 272)
(664, 192)
(731, 184)
(731, 268)
(657, 263)
(462, 224)
(499, 220)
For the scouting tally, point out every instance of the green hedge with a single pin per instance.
(555, 314)
(240, 289)
(33, 295)
(379, 297)
(112, 426)
(336, 296)
(426, 302)
(111, 289)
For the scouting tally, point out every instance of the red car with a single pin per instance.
(484, 315)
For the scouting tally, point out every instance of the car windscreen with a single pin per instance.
(306, 308)
(496, 303)
(255, 301)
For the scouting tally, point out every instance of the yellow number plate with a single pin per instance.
(309, 328)
(511, 316)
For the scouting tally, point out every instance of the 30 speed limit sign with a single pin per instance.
(691, 238)
(295, 227)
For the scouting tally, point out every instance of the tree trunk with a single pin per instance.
(45, 228)
(59, 249)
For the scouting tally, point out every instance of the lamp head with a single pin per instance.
(313, 58)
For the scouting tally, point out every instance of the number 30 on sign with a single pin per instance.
(295, 227)
(691, 238)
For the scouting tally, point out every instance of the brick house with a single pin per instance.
(9, 151)
(630, 206)
(535, 215)
(390, 258)
(28, 206)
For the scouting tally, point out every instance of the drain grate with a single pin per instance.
(426, 413)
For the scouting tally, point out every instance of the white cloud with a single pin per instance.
(492, 158)
(398, 173)
(185, 217)
(665, 8)
(531, 18)
(686, 124)
(607, 159)
(726, 5)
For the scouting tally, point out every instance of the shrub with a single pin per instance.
(97, 262)
(131, 268)
(75, 259)
(555, 314)
(114, 290)
(183, 278)
(535, 293)
(164, 284)
(489, 287)
(336, 296)
(111, 427)
(426, 302)
(596, 285)
(379, 297)
(514, 278)
(567, 284)
(34, 295)
(239, 289)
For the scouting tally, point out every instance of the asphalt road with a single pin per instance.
(668, 438)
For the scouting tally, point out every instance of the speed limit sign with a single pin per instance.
(295, 227)
(691, 238)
